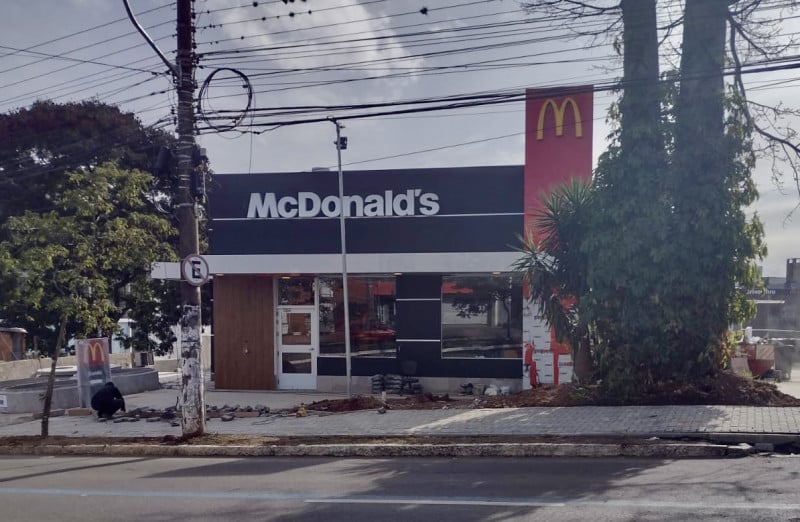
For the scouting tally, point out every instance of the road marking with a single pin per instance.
(237, 495)
(682, 506)
(399, 500)
(437, 502)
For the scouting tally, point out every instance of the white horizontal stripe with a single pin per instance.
(601, 503)
(488, 214)
(560, 502)
(435, 502)
(412, 262)
(419, 299)
(418, 340)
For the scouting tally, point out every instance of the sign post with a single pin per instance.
(558, 147)
(94, 370)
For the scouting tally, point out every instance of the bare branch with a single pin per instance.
(574, 14)
(776, 142)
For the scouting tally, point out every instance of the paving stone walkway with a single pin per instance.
(641, 421)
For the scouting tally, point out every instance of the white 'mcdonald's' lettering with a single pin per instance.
(310, 205)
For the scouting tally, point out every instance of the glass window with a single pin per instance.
(295, 329)
(372, 316)
(482, 316)
(296, 363)
(296, 291)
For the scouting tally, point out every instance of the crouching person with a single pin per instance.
(107, 401)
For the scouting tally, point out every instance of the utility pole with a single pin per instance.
(193, 412)
(191, 399)
(341, 143)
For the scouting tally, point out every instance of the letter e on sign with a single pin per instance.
(194, 269)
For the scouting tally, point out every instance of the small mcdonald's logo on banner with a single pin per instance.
(92, 353)
(94, 368)
(95, 353)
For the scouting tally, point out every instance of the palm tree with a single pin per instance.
(554, 267)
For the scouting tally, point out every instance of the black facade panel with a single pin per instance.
(419, 320)
(487, 368)
(360, 366)
(463, 190)
(434, 234)
(425, 354)
(312, 236)
(477, 209)
(419, 286)
(428, 365)
(367, 236)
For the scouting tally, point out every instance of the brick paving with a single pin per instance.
(640, 421)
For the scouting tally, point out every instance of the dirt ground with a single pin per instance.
(724, 389)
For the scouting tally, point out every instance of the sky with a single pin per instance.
(344, 53)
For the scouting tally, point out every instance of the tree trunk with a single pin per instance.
(640, 107)
(699, 110)
(629, 231)
(583, 361)
(701, 169)
(51, 379)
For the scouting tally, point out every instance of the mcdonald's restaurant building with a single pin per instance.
(429, 254)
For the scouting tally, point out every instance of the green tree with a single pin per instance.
(668, 241)
(555, 268)
(39, 147)
(63, 267)
(40, 144)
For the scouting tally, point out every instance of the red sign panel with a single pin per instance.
(558, 148)
(558, 143)
(94, 369)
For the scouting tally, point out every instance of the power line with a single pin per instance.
(337, 24)
(83, 47)
(453, 103)
(82, 31)
(100, 78)
(42, 75)
(292, 14)
(77, 60)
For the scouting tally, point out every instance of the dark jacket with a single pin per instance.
(106, 396)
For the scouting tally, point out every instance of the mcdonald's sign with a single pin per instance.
(94, 368)
(558, 113)
(558, 143)
(558, 147)
(95, 353)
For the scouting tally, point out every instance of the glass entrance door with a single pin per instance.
(298, 339)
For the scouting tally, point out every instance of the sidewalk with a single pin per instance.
(735, 423)
(589, 431)
(730, 423)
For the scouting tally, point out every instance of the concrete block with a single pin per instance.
(53, 413)
(26, 397)
(79, 412)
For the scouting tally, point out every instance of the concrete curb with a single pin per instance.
(668, 450)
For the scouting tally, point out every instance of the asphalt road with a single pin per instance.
(142, 489)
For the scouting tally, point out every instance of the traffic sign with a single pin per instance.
(194, 270)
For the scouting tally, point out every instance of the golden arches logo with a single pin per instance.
(558, 112)
(92, 351)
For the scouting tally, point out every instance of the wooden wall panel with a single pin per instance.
(244, 335)
(6, 347)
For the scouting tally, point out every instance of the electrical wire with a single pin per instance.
(239, 115)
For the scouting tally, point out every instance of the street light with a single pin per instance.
(341, 144)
